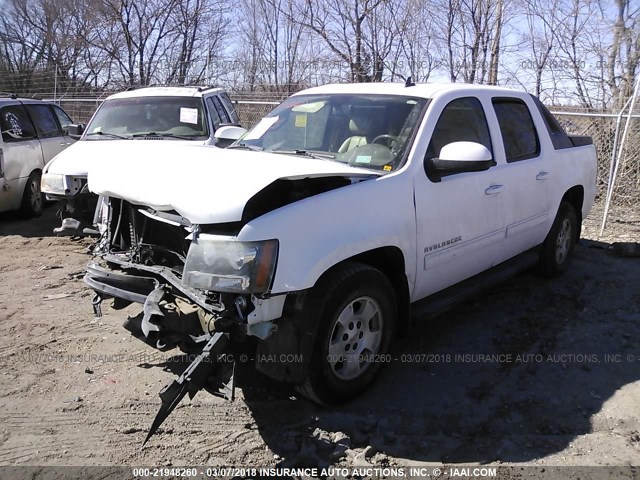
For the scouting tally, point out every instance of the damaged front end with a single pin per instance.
(203, 292)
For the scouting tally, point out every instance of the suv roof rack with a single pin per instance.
(201, 88)
(206, 87)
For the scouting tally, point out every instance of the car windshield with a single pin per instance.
(369, 131)
(140, 117)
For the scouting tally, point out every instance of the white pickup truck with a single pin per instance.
(346, 213)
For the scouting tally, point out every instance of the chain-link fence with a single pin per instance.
(251, 111)
(602, 128)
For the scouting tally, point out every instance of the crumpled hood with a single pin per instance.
(75, 159)
(203, 184)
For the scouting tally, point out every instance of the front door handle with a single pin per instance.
(542, 175)
(494, 190)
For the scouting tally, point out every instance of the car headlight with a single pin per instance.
(52, 183)
(230, 266)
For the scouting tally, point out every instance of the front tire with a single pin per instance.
(557, 248)
(32, 198)
(358, 319)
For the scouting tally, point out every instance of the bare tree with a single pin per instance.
(343, 26)
(136, 34)
(198, 28)
(415, 44)
(624, 52)
(471, 35)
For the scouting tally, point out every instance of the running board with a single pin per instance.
(448, 298)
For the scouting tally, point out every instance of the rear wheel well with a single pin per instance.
(575, 197)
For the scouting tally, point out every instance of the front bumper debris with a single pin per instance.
(172, 315)
(109, 283)
(209, 370)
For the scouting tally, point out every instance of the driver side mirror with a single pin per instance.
(76, 130)
(227, 134)
(459, 157)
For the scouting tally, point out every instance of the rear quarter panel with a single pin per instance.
(19, 160)
(575, 166)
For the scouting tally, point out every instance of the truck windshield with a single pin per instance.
(158, 117)
(368, 131)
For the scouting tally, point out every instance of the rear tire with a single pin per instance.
(32, 198)
(557, 248)
(357, 320)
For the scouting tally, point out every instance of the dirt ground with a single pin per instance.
(537, 372)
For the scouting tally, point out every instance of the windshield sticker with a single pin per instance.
(363, 159)
(301, 121)
(261, 128)
(98, 129)
(309, 107)
(387, 168)
(189, 115)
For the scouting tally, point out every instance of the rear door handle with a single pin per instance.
(494, 189)
(542, 175)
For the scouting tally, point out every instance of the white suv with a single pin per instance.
(33, 132)
(198, 115)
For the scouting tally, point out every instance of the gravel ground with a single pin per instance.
(535, 372)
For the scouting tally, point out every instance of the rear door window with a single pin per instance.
(519, 134)
(45, 121)
(15, 124)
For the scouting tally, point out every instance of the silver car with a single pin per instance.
(33, 132)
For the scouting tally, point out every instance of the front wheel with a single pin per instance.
(557, 248)
(357, 322)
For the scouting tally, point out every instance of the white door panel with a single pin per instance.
(460, 229)
(461, 218)
(527, 176)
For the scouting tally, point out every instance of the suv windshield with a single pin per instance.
(179, 117)
(369, 131)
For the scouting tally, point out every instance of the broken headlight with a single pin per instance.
(230, 266)
(52, 183)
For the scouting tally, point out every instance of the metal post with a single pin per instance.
(612, 165)
(620, 153)
(55, 84)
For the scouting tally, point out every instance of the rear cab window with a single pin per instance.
(519, 135)
(558, 136)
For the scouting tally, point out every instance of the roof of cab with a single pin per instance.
(188, 91)
(11, 99)
(425, 90)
